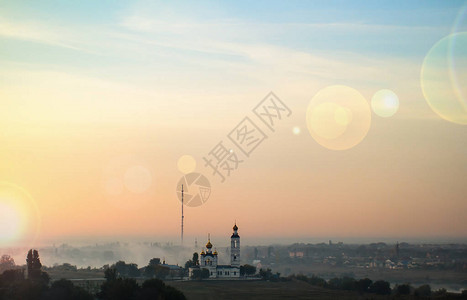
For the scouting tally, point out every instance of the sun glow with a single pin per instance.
(19, 216)
(10, 222)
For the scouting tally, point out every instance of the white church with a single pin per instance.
(208, 259)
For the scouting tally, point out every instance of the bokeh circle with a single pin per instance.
(443, 78)
(127, 182)
(385, 103)
(338, 117)
(186, 164)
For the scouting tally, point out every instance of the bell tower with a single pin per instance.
(235, 247)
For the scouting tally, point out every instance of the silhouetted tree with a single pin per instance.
(161, 272)
(267, 275)
(380, 287)
(335, 283)
(172, 293)
(127, 270)
(247, 270)
(403, 289)
(363, 285)
(25, 290)
(110, 274)
(423, 291)
(152, 289)
(34, 264)
(348, 284)
(64, 289)
(440, 292)
(192, 262)
(150, 269)
(194, 259)
(12, 275)
(156, 289)
(6, 263)
(154, 261)
(127, 288)
(119, 289)
(318, 281)
(200, 274)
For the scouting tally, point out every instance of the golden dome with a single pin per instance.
(209, 245)
(215, 252)
(202, 252)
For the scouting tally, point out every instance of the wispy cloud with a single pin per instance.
(35, 32)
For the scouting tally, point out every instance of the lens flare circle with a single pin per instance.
(296, 130)
(443, 78)
(186, 164)
(338, 117)
(127, 182)
(20, 220)
(385, 103)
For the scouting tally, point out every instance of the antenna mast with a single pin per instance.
(182, 217)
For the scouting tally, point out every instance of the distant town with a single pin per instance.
(333, 265)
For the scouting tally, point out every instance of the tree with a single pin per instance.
(204, 273)
(110, 274)
(247, 270)
(380, 287)
(193, 261)
(440, 292)
(200, 274)
(423, 291)
(6, 263)
(64, 289)
(318, 281)
(13, 275)
(25, 289)
(154, 261)
(127, 270)
(34, 267)
(188, 264)
(403, 289)
(266, 274)
(161, 272)
(119, 289)
(149, 270)
(348, 284)
(195, 258)
(363, 285)
(34, 264)
(156, 289)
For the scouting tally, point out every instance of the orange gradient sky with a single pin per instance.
(88, 102)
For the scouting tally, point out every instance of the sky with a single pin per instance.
(107, 105)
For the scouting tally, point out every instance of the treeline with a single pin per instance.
(379, 287)
(14, 284)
